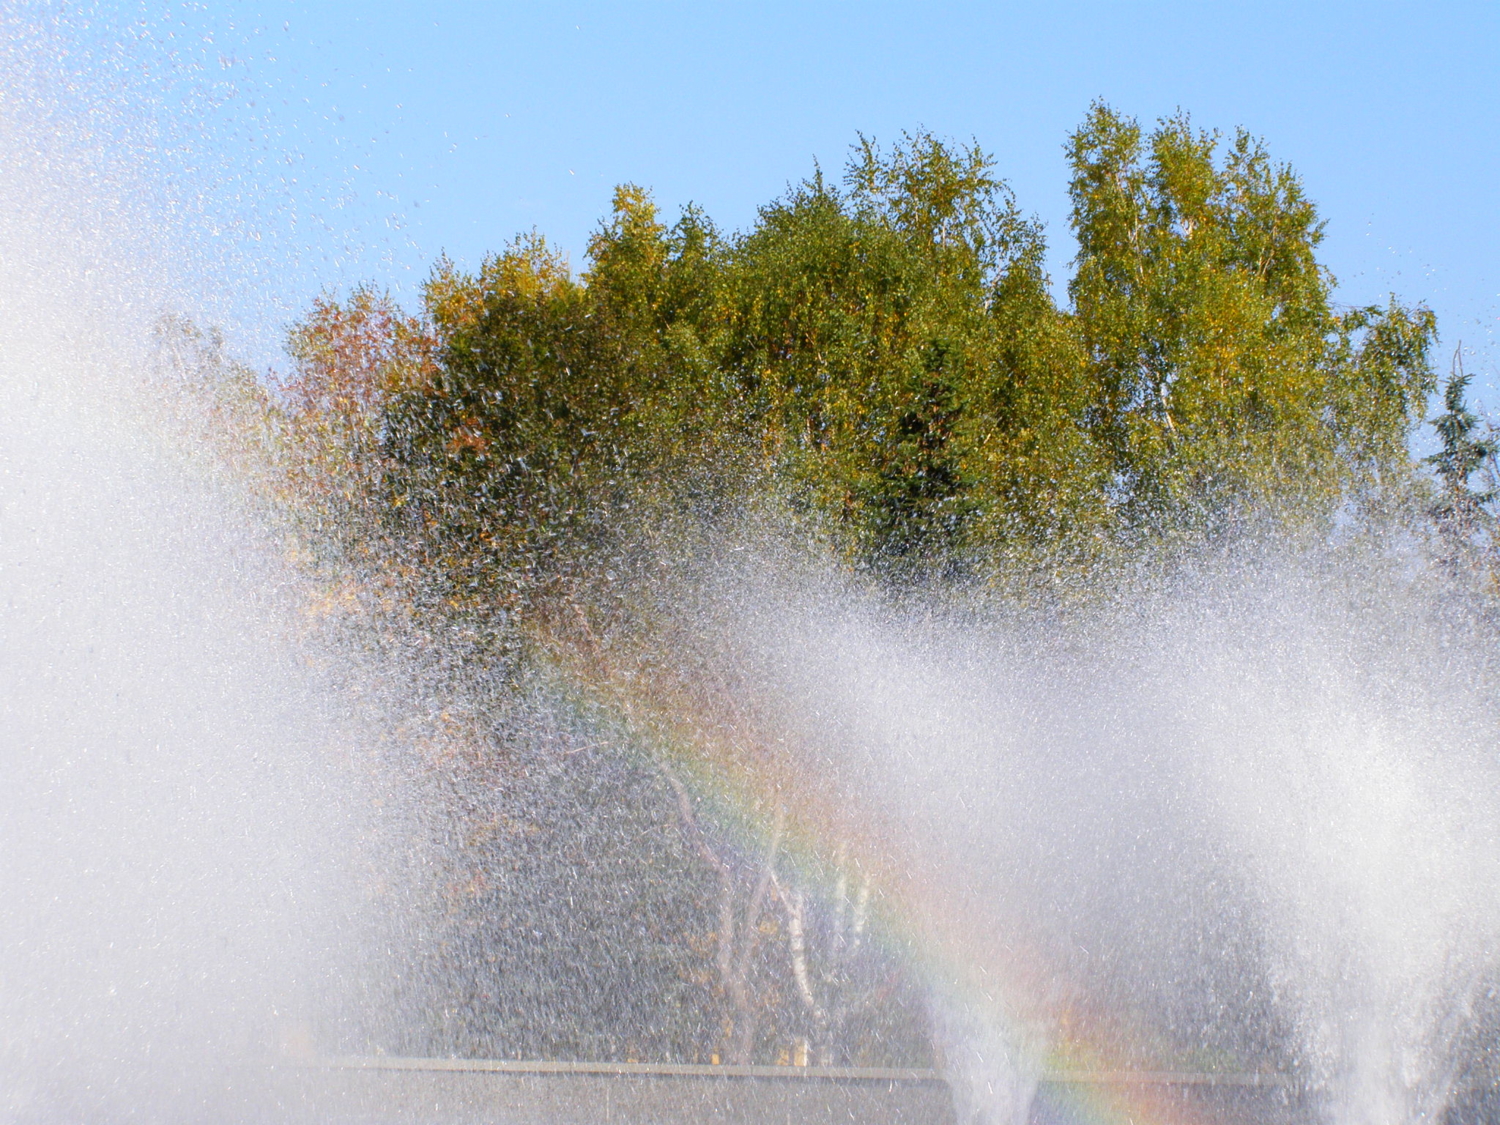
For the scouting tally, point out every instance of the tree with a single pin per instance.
(351, 360)
(904, 367)
(521, 468)
(1224, 379)
(1461, 510)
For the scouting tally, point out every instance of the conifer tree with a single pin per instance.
(1461, 510)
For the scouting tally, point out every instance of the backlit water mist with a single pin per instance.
(1248, 815)
(182, 802)
(1242, 819)
(175, 824)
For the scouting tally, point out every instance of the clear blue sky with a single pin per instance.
(452, 126)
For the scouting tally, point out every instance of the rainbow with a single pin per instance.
(714, 737)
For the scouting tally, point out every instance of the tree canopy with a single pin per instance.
(879, 360)
(885, 355)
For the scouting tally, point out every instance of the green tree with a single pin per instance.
(1225, 379)
(652, 295)
(900, 358)
(1461, 509)
(520, 466)
(488, 459)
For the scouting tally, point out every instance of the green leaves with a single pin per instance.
(887, 358)
(1461, 508)
(891, 340)
(1224, 380)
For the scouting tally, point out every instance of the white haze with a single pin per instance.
(179, 795)
(1258, 804)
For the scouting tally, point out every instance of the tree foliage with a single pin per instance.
(1461, 510)
(882, 359)
(886, 355)
(1222, 375)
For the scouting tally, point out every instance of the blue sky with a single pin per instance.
(453, 126)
